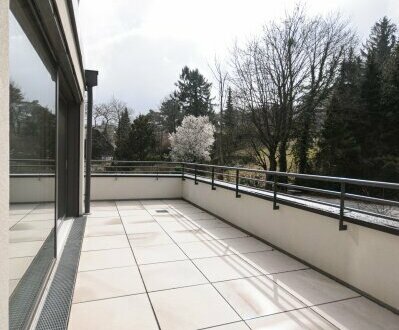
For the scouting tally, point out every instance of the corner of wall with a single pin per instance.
(4, 162)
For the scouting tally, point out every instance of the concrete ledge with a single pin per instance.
(135, 187)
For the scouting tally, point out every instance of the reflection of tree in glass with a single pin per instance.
(32, 128)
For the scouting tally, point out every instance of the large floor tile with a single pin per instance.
(200, 216)
(193, 307)
(190, 235)
(104, 230)
(178, 225)
(105, 242)
(161, 211)
(107, 283)
(102, 214)
(209, 224)
(358, 314)
(225, 268)
(228, 232)
(270, 262)
(96, 209)
(123, 313)
(257, 296)
(133, 219)
(92, 260)
(149, 239)
(12, 284)
(134, 212)
(311, 287)
(204, 249)
(153, 202)
(34, 225)
(246, 245)
(168, 275)
(139, 228)
(158, 253)
(39, 216)
(304, 319)
(103, 221)
(28, 235)
(18, 267)
(231, 326)
(164, 218)
(24, 249)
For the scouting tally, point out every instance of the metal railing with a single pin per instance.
(375, 201)
(32, 166)
(371, 201)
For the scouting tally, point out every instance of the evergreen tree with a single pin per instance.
(339, 150)
(171, 114)
(101, 147)
(122, 151)
(230, 125)
(381, 41)
(142, 139)
(194, 93)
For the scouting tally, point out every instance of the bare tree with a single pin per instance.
(268, 74)
(107, 115)
(285, 73)
(221, 77)
(327, 43)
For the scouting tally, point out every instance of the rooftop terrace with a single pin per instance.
(167, 264)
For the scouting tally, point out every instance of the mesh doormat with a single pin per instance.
(56, 309)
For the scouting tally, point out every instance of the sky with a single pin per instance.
(140, 46)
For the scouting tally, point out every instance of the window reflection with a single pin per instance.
(32, 172)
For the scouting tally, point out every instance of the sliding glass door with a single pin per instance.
(33, 166)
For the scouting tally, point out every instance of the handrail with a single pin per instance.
(278, 184)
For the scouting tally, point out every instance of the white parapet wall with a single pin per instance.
(364, 258)
(32, 189)
(135, 187)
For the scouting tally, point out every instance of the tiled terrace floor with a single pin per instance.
(167, 264)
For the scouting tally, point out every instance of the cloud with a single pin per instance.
(139, 47)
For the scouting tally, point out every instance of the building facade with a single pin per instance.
(42, 88)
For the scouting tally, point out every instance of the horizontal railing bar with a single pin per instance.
(369, 183)
(318, 190)
(372, 199)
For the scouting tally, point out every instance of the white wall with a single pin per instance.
(364, 258)
(103, 188)
(32, 189)
(4, 163)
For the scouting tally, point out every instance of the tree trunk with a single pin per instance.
(303, 144)
(272, 160)
(282, 160)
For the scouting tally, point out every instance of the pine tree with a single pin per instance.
(339, 150)
(381, 41)
(194, 93)
(122, 151)
(171, 114)
(142, 139)
(230, 125)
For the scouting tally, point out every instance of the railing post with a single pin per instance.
(182, 174)
(157, 167)
(342, 226)
(266, 181)
(213, 178)
(237, 183)
(195, 175)
(275, 206)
